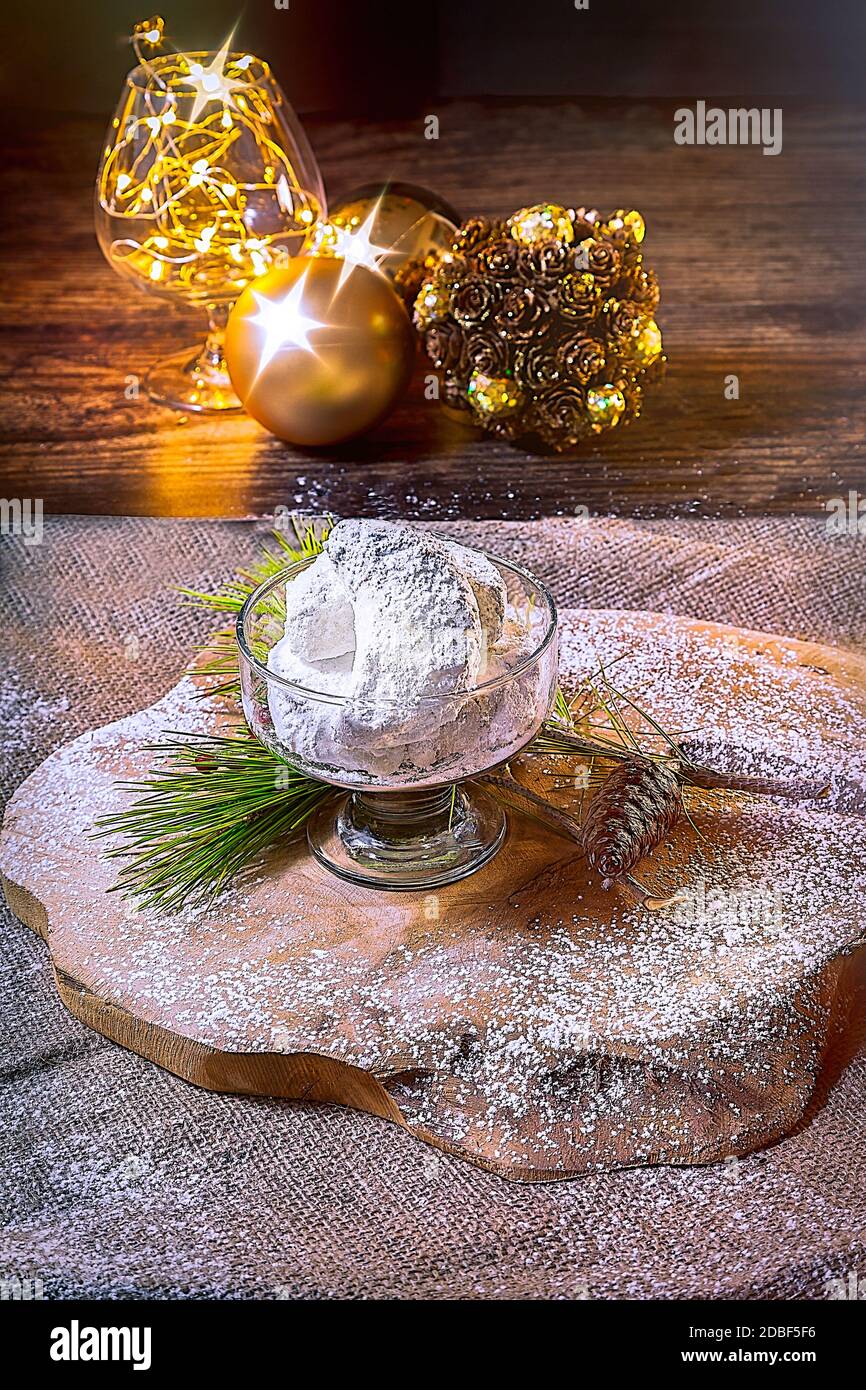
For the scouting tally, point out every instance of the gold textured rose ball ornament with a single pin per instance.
(320, 350)
(542, 326)
(401, 229)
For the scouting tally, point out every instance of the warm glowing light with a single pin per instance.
(197, 193)
(211, 83)
(358, 248)
(150, 30)
(202, 243)
(284, 324)
(284, 194)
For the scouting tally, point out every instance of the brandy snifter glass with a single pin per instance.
(206, 181)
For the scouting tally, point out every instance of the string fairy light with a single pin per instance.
(197, 191)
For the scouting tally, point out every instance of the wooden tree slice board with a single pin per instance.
(525, 1018)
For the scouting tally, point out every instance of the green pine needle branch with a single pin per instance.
(209, 807)
(219, 659)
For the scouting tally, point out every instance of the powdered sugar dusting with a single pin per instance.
(745, 703)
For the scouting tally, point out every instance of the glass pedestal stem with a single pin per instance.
(198, 378)
(408, 839)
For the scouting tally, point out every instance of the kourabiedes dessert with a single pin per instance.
(414, 663)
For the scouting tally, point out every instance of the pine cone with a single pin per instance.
(500, 259)
(602, 261)
(475, 232)
(579, 297)
(522, 314)
(485, 350)
(547, 263)
(631, 391)
(558, 415)
(538, 367)
(643, 289)
(622, 320)
(473, 299)
(444, 344)
(634, 809)
(581, 358)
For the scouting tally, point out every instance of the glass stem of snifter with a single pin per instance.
(212, 352)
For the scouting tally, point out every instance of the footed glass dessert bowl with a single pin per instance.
(361, 678)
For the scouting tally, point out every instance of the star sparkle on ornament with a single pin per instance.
(358, 248)
(284, 324)
(211, 83)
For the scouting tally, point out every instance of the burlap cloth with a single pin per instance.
(120, 1181)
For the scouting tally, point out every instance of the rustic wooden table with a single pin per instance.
(761, 265)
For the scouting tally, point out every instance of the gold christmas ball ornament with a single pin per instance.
(398, 228)
(542, 325)
(648, 343)
(541, 225)
(492, 395)
(320, 350)
(604, 406)
(627, 224)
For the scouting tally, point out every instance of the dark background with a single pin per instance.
(379, 58)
